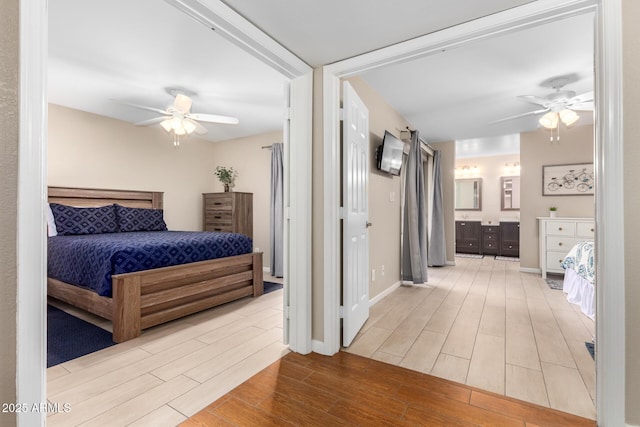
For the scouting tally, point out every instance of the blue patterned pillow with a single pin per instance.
(71, 220)
(140, 219)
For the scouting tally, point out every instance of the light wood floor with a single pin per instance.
(481, 323)
(173, 370)
(350, 390)
(485, 324)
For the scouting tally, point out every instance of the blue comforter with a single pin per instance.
(90, 260)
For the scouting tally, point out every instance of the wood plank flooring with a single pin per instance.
(485, 324)
(351, 390)
(172, 370)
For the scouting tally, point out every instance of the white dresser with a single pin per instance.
(558, 236)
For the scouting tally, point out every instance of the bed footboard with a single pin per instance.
(144, 299)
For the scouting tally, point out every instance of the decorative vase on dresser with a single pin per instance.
(557, 237)
(231, 212)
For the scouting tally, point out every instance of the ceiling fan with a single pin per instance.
(559, 106)
(179, 119)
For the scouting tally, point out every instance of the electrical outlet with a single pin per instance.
(392, 196)
(373, 275)
(382, 270)
(256, 249)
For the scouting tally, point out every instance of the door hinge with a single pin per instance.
(287, 213)
(341, 114)
(341, 311)
(287, 113)
(341, 212)
(286, 311)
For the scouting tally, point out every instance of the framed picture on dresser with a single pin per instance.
(568, 180)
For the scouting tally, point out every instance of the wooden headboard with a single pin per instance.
(91, 197)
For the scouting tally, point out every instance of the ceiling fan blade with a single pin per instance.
(153, 121)
(182, 103)
(532, 99)
(142, 107)
(530, 113)
(582, 106)
(213, 118)
(582, 98)
(200, 130)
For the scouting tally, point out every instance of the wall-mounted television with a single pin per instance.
(389, 154)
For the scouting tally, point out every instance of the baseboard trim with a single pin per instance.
(320, 347)
(450, 263)
(384, 293)
(530, 270)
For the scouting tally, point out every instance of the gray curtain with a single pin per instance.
(277, 212)
(414, 242)
(437, 245)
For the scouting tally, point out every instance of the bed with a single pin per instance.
(150, 294)
(580, 277)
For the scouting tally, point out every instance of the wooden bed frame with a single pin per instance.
(147, 298)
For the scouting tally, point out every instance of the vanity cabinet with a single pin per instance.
(490, 239)
(509, 239)
(558, 236)
(468, 237)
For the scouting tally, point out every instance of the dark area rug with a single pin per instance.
(69, 337)
(271, 286)
(591, 349)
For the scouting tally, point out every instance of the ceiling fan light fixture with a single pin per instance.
(568, 117)
(167, 125)
(189, 126)
(549, 120)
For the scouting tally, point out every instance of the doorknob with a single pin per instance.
(369, 224)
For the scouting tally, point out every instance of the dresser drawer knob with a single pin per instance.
(559, 228)
(510, 247)
(560, 244)
(592, 230)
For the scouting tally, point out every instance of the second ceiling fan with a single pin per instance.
(559, 106)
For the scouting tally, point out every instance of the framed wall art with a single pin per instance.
(568, 180)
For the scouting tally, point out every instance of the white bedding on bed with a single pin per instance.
(580, 291)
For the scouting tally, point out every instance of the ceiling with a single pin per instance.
(101, 57)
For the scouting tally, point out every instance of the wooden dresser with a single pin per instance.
(558, 236)
(231, 212)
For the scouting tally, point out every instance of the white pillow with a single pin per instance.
(51, 222)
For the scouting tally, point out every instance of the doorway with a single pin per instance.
(610, 323)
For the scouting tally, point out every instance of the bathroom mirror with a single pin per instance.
(468, 194)
(510, 193)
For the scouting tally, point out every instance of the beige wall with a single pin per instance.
(631, 108)
(384, 214)
(576, 146)
(88, 150)
(254, 176)
(9, 55)
(490, 169)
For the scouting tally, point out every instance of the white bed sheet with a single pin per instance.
(580, 291)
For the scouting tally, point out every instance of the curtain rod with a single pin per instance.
(268, 147)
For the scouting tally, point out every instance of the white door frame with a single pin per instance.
(32, 268)
(609, 155)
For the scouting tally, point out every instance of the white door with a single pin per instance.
(355, 181)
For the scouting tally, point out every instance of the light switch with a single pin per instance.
(392, 196)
